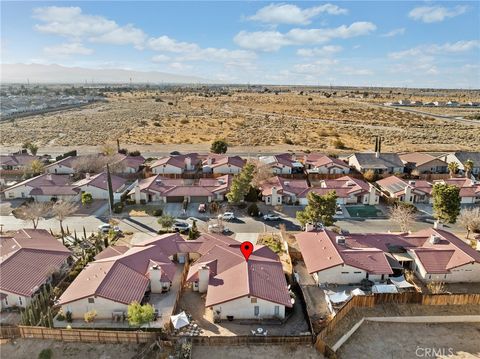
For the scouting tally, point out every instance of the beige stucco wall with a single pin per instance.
(243, 308)
(104, 307)
(14, 300)
(350, 275)
(168, 169)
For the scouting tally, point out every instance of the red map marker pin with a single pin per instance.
(247, 249)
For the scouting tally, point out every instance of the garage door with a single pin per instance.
(175, 199)
(199, 199)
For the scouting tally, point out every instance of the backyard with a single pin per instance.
(363, 211)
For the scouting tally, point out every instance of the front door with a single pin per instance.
(256, 310)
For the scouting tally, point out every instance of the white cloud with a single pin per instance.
(178, 66)
(70, 22)
(68, 49)
(274, 40)
(456, 47)
(292, 14)
(319, 51)
(394, 32)
(160, 58)
(430, 14)
(356, 72)
(165, 43)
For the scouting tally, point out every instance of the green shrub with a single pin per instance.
(68, 316)
(157, 212)
(118, 207)
(45, 354)
(130, 202)
(142, 201)
(253, 210)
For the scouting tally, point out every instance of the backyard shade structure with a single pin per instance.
(180, 320)
(400, 282)
(338, 297)
(357, 291)
(384, 288)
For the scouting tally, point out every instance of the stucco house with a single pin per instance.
(423, 163)
(378, 162)
(176, 165)
(323, 164)
(461, 157)
(169, 190)
(125, 164)
(28, 259)
(408, 191)
(278, 190)
(222, 164)
(97, 186)
(63, 166)
(283, 164)
(469, 190)
(18, 161)
(235, 288)
(434, 255)
(44, 188)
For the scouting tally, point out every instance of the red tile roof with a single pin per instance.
(100, 181)
(216, 160)
(28, 259)
(177, 161)
(283, 186)
(322, 160)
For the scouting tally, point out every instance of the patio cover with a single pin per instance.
(338, 297)
(180, 320)
(400, 282)
(384, 288)
(357, 291)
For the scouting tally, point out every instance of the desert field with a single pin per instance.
(290, 120)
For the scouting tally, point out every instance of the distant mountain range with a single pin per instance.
(35, 73)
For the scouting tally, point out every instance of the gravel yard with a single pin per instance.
(254, 352)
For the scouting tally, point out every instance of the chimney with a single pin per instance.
(340, 240)
(379, 144)
(137, 194)
(376, 143)
(437, 224)
(309, 227)
(209, 161)
(434, 239)
(203, 278)
(294, 157)
(188, 163)
(377, 154)
(49, 176)
(408, 193)
(155, 274)
(87, 176)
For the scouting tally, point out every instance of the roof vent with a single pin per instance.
(158, 181)
(350, 183)
(155, 267)
(340, 240)
(412, 183)
(286, 183)
(434, 239)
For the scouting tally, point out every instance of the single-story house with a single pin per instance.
(44, 188)
(285, 163)
(434, 254)
(378, 162)
(411, 191)
(17, 161)
(321, 163)
(168, 190)
(63, 166)
(423, 163)
(28, 260)
(235, 288)
(97, 185)
(461, 157)
(222, 164)
(176, 165)
(118, 277)
(349, 190)
(278, 190)
(125, 164)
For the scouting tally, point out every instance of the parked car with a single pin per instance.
(106, 227)
(227, 216)
(181, 226)
(338, 210)
(271, 217)
(202, 208)
(217, 228)
(317, 226)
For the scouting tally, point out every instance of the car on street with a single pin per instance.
(106, 227)
(202, 208)
(227, 216)
(271, 217)
(217, 228)
(181, 226)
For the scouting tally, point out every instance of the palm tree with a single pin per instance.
(468, 166)
(452, 168)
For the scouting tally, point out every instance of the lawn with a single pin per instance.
(363, 211)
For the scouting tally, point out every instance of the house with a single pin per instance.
(117, 278)
(411, 191)
(469, 190)
(44, 188)
(236, 288)
(278, 190)
(125, 164)
(168, 190)
(320, 163)
(63, 166)
(434, 255)
(285, 163)
(18, 162)
(349, 190)
(378, 162)
(222, 164)
(97, 186)
(461, 157)
(176, 165)
(28, 259)
(423, 163)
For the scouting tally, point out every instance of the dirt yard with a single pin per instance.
(256, 352)
(405, 340)
(30, 348)
(310, 121)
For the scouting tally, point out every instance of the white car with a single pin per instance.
(181, 226)
(105, 228)
(271, 217)
(227, 216)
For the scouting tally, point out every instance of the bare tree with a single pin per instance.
(261, 174)
(89, 164)
(62, 210)
(34, 211)
(470, 219)
(108, 149)
(403, 215)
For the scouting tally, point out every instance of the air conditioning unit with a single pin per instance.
(435, 239)
(340, 240)
(412, 183)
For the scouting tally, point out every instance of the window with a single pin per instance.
(357, 272)
(6, 300)
(253, 300)
(345, 272)
(91, 300)
(20, 301)
(256, 310)
(276, 310)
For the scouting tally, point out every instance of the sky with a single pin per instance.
(357, 43)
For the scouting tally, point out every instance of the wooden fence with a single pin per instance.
(250, 339)
(7, 332)
(182, 284)
(86, 335)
